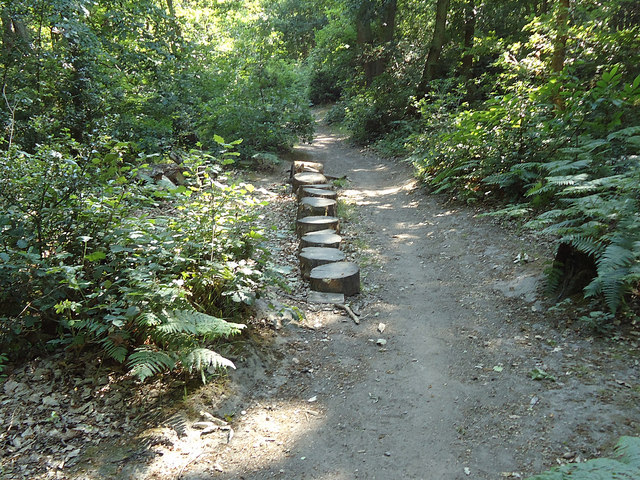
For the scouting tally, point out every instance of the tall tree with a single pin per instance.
(469, 34)
(562, 33)
(375, 29)
(437, 42)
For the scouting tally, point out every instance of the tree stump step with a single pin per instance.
(312, 257)
(337, 277)
(322, 186)
(300, 166)
(314, 223)
(307, 178)
(321, 238)
(318, 192)
(314, 206)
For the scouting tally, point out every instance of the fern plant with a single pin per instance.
(176, 336)
(625, 465)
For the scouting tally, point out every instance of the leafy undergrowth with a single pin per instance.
(625, 465)
(97, 254)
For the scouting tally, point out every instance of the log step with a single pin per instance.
(337, 277)
(314, 223)
(321, 238)
(312, 257)
(318, 192)
(322, 186)
(314, 206)
(308, 178)
(300, 166)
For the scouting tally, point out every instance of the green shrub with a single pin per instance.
(94, 253)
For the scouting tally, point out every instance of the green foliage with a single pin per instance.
(625, 465)
(95, 253)
(577, 168)
(143, 74)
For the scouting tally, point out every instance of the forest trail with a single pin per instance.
(449, 396)
(452, 394)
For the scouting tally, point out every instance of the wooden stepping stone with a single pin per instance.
(307, 178)
(300, 166)
(318, 192)
(312, 257)
(310, 206)
(325, 297)
(314, 223)
(322, 186)
(321, 238)
(337, 277)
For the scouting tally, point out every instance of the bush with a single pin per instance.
(95, 253)
(576, 167)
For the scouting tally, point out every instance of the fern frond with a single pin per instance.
(145, 362)
(628, 451)
(116, 351)
(564, 180)
(202, 358)
(196, 323)
(583, 243)
(626, 466)
(616, 256)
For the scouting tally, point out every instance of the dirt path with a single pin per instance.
(451, 394)
(474, 376)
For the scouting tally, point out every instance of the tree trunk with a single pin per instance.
(364, 38)
(562, 33)
(560, 47)
(469, 33)
(428, 74)
(387, 30)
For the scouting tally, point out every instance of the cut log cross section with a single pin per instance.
(308, 178)
(315, 223)
(312, 257)
(300, 166)
(321, 261)
(321, 238)
(337, 277)
(318, 192)
(313, 206)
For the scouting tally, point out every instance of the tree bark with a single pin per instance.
(433, 58)
(364, 37)
(375, 29)
(469, 33)
(562, 33)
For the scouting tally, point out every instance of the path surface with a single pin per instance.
(449, 395)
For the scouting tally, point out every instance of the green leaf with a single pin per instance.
(96, 256)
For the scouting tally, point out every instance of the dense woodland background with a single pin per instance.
(529, 107)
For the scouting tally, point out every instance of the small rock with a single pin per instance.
(381, 342)
(381, 327)
(50, 401)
